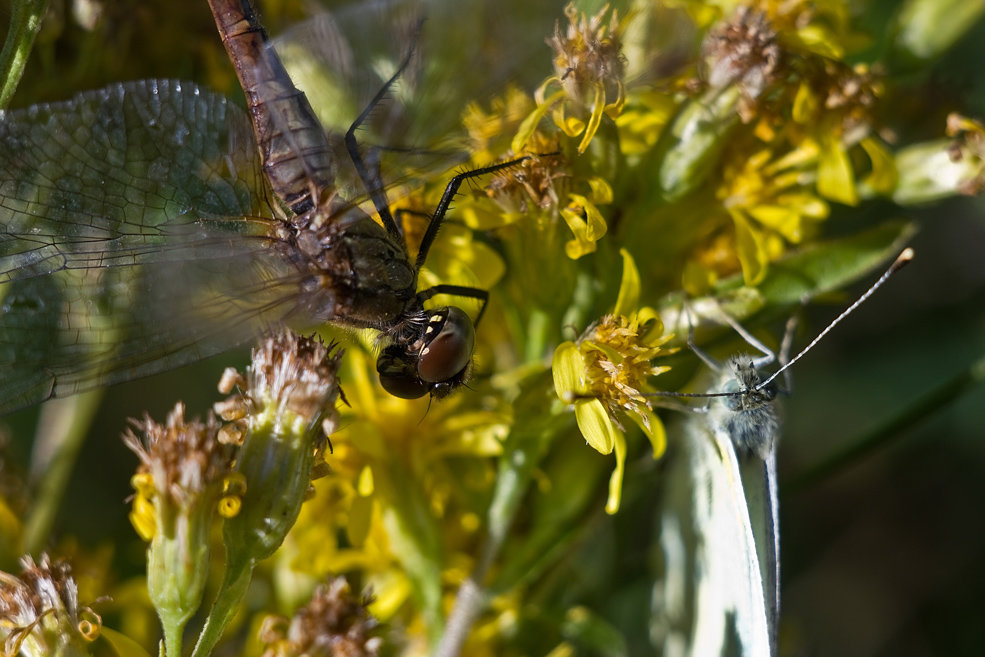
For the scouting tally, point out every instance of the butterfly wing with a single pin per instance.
(711, 595)
(760, 485)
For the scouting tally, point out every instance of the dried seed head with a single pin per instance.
(333, 623)
(589, 55)
(744, 51)
(182, 457)
(40, 613)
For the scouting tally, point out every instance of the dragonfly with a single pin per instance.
(153, 223)
(723, 504)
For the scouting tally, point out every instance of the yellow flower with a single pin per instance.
(489, 132)
(588, 68)
(542, 188)
(401, 491)
(770, 204)
(604, 375)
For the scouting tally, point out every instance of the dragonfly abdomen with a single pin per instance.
(295, 152)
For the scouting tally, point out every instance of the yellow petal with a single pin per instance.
(629, 288)
(783, 219)
(143, 518)
(820, 40)
(598, 105)
(571, 126)
(576, 248)
(649, 422)
(835, 178)
(596, 425)
(529, 124)
(580, 245)
(804, 104)
(750, 249)
(595, 226)
(615, 480)
(360, 515)
(587, 230)
(601, 190)
(568, 368)
(653, 326)
(883, 177)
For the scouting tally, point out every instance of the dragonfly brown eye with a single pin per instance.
(449, 350)
(438, 366)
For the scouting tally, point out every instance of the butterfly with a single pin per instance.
(720, 518)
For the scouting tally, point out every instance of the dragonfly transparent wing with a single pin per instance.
(710, 597)
(133, 238)
(464, 52)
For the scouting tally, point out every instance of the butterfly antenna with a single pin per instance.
(901, 261)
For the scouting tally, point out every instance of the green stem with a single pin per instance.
(25, 22)
(234, 586)
(521, 455)
(416, 540)
(932, 402)
(62, 430)
(173, 630)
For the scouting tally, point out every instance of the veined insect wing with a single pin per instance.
(341, 60)
(170, 283)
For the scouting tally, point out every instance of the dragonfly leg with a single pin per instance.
(458, 291)
(371, 176)
(451, 189)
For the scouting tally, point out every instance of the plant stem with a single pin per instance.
(62, 430)
(522, 454)
(234, 586)
(25, 22)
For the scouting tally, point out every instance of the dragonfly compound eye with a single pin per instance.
(449, 341)
(398, 373)
(439, 366)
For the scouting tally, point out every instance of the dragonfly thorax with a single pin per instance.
(356, 273)
(353, 273)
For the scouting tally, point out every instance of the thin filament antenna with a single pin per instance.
(901, 261)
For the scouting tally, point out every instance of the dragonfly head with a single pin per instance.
(436, 360)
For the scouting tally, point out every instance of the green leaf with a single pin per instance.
(690, 150)
(828, 266)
